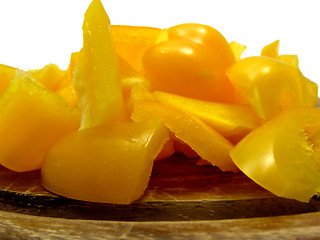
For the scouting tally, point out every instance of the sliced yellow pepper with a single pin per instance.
(65, 87)
(32, 118)
(6, 75)
(129, 79)
(237, 49)
(49, 76)
(205, 141)
(270, 85)
(132, 41)
(271, 50)
(283, 154)
(233, 121)
(109, 164)
(96, 78)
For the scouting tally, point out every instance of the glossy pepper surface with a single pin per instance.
(196, 61)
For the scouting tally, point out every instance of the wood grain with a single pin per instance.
(183, 201)
(18, 226)
(179, 190)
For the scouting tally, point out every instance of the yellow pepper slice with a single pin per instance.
(191, 63)
(96, 78)
(270, 85)
(49, 76)
(271, 50)
(283, 154)
(6, 75)
(233, 121)
(292, 60)
(132, 41)
(129, 79)
(108, 164)
(65, 87)
(205, 141)
(32, 118)
(309, 89)
(237, 49)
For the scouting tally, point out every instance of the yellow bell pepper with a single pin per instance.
(49, 76)
(32, 118)
(191, 63)
(283, 154)
(271, 50)
(205, 141)
(195, 76)
(309, 89)
(65, 87)
(292, 60)
(129, 78)
(132, 41)
(96, 78)
(104, 161)
(109, 164)
(237, 49)
(270, 85)
(233, 121)
(6, 75)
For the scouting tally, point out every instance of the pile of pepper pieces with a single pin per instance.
(135, 95)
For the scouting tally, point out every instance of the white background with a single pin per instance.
(34, 33)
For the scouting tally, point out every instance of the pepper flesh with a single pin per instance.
(233, 121)
(205, 36)
(49, 76)
(32, 118)
(205, 141)
(104, 161)
(269, 85)
(92, 164)
(309, 89)
(196, 57)
(169, 65)
(6, 75)
(96, 78)
(132, 41)
(283, 154)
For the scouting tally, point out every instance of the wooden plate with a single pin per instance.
(179, 190)
(183, 201)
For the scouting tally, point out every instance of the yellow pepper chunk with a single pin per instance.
(129, 78)
(237, 49)
(309, 89)
(132, 41)
(163, 36)
(68, 92)
(233, 121)
(205, 141)
(292, 60)
(271, 50)
(6, 75)
(49, 76)
(270, 85)
(65, 87)
(108, 164)
(68, 76)
(96, 79)
(32, 118)
(283, 154)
